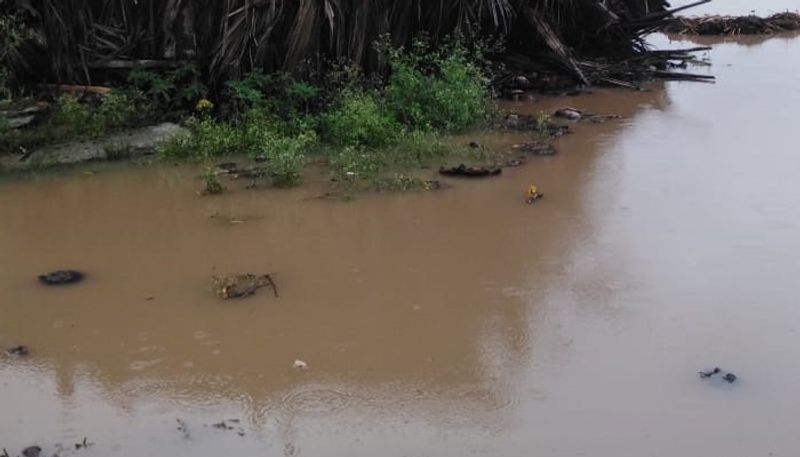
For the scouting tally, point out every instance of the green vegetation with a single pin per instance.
(371, 131)
(212, 184)
(442, 90)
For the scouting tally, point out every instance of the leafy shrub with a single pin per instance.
(177, 89)
(74, 119)
(124, 108)
(417, 148)
(276, 92)
(440, 90)
(212, 184)
(352, 163)
(358, 120)
(117, 150)
(257, 134)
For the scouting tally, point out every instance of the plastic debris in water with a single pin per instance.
(533, 194)
(300, 365)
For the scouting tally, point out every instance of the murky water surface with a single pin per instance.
(462, 322)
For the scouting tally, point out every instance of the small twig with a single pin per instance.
(272, 284)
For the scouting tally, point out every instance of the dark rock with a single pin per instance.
(61, 277)
(32, 451)
(474, 144)
(470, 172)
(18, 351)
(730, 377)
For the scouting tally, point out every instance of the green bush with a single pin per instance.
(75, 119)
(177, 89)
(279, 93)
(440, 90)
(124, 108)
(257, 134)
(207, 139)
(418, 148)
(358, 120)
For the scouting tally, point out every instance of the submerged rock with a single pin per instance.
(241, 286)
(470, 172)
(61, 277)
(32, 451)
(18, 351)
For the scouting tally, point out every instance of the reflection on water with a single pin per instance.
(440, 323)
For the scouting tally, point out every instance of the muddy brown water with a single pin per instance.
(460, 322)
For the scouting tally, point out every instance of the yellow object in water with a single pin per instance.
(532, 190)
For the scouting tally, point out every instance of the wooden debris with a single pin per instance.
(241, 286)
(733, 25)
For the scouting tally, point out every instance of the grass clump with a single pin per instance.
(256, 134)
(212, 186)
(358, 119)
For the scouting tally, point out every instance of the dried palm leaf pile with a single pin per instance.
(733, 25)
(547, 42)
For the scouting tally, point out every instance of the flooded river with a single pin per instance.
(452, 323)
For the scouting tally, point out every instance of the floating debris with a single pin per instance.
(241, 286)
(709, 373)
(300, 365)
(61, 277)
(83, 444)
(533, 194)
(18, 351)
(734, 25)
(183, 428)
(728, 377)
(470, 172)
(226, 425)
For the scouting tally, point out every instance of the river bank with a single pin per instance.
(442, 323)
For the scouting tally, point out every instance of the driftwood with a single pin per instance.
(733, 25)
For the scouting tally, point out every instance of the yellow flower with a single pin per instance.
(204, 106)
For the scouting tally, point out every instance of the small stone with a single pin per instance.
(61, 277)
(730, 377)
(18, 351)
(300, 365)
(32, 451)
